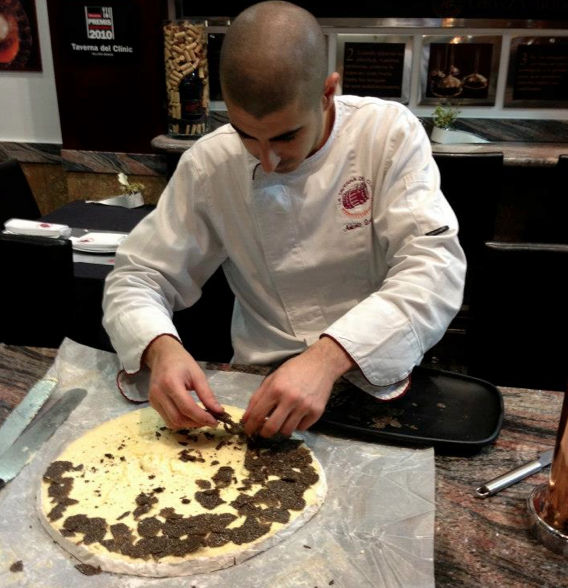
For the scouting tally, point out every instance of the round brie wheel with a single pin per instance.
(133, 497)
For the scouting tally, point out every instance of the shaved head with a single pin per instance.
(273, 53)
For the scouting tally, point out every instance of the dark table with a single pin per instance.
(97, 217)
(89, 278)
(203, 328)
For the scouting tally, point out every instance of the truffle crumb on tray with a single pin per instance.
(387, 421)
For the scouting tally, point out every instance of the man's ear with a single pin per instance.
(330, 89)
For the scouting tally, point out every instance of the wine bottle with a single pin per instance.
(191, 99)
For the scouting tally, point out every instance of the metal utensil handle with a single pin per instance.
(509, 478)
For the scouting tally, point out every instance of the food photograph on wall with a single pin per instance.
(19, 40)
(462, 70)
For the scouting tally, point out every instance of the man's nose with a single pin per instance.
(268, 159)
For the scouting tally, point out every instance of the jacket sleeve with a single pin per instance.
(388, 332)
(161, 266)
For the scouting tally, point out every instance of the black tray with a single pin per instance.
(454, 413)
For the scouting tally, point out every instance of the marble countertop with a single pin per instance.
(527, 143)
(514, 154)
(478, 542)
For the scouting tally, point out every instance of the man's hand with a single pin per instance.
(173, 374)
(295, 395)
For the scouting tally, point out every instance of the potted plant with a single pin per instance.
(129, 188)
(444, 117)
(131, 192)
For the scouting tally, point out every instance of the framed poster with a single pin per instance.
(538, 72)
(461, 70)
(19, 39)
(375, 65)
(102, 32)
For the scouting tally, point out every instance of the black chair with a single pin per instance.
(205, 327)
(16, 197)
(520, 336)
(37, 292)
(555, 229)
(471, 182)
(537, 206)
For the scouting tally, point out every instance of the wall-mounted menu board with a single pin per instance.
(462, 70)
(375, 65)
(373, 69)
(538, 72)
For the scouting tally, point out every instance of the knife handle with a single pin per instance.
(509, 478)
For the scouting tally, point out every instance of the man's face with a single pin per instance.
(281, 141)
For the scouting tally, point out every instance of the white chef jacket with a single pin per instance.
(357, 243)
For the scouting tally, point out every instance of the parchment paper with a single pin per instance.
(375, 528)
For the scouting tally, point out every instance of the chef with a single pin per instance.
(326, 215)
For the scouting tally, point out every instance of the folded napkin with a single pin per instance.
(98, 242)
(125, 201)
(18, 226)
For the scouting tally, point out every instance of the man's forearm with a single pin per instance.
(160, 346)
(336, 360)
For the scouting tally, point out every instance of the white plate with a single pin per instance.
(90, 250)
(98, 242)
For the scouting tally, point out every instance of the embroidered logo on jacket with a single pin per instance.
(355, 202)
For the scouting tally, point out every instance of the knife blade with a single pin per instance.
(516, 475)
(23, 450)
(23, 414)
